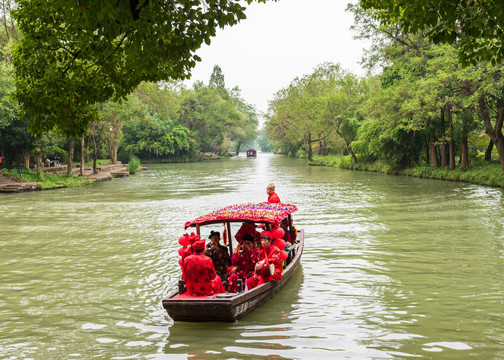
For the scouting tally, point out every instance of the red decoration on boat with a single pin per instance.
(277, 233)
(271, 213)
(193, 237)
(184, 240)
(280, 243)
(283, 255)
(181, 251)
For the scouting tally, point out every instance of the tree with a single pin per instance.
(475, 27)
(74, 55)
(245, 130)
(96, 130)
(217, 80)
(151, 137)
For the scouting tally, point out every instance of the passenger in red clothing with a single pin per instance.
(199, 272)
(272, 195)
(269, 254)
(242, 262)
(287, 236)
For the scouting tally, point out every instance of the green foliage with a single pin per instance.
(321, 109)
(152, 137)
(487, 174)
(49, 181)
(475, 28)
(133, 165)
(99, 162)
(264, 141)
(75, 55)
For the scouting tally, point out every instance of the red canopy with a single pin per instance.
(271, 213)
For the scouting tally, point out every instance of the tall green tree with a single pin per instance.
(476, 28)
(74, 55)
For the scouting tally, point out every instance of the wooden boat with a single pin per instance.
(251, 153)
(229, 307)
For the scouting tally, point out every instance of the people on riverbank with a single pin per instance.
(219, 255)
(269, 266)
(272, 195)
(199, 274)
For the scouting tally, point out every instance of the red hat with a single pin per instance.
(193, 237)
(199, 244)
(267, 235)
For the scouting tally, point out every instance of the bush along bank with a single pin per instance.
(488, 174)
(47, 181)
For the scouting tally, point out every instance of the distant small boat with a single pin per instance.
(229, 307)
(251, 153)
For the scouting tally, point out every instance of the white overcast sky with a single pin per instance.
(277, 42)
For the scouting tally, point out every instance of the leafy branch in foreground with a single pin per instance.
(75, 54)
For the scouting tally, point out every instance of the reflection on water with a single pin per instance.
(393, 267)
(265, 334)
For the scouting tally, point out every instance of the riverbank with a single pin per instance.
(55, 177)
(488, 174)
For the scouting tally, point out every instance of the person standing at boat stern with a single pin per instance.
(269, 259)
(242, 262)
(199, 272)
(219, 255)
(272, 195)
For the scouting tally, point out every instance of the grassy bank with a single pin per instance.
(48, 181)
(490, 174)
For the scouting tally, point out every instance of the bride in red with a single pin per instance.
(269, 255)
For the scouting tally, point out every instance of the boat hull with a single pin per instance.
(229, 308)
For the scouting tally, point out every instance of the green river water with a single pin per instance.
(394, 267)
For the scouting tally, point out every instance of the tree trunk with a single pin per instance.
(464, 157)
(83, 146)
(96, 139)
(432, 147)
(499, 145)
(310, 152)
(495, 133)
(38, 163)
(325, 147)
(26, 153)
(86, 153)
(70, 157)
(348, 148)
(443, 139)
(238, 147)
(451, 143)
(488, 152)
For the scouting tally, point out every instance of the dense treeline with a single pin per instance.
(424, 107)
(157, 122)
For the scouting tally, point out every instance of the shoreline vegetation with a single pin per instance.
(484, 173)
(20, 180)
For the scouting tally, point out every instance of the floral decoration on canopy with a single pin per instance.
(271, 213)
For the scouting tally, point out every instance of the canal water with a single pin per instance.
(394, 267)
